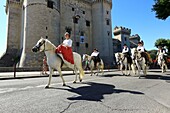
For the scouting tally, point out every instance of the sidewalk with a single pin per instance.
(36, 74)
(10, 75)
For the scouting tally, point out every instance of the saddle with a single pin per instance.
(61, 57)
(96, 60)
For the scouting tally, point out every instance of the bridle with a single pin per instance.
(120, 58)
(42, 44)
(139, 59)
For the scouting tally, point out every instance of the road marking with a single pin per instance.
(8, 90)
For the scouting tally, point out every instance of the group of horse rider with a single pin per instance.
(66, 50)
(143, 52)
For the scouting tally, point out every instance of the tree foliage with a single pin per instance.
(161, 42)
(164, 43)
(162, 9)
(153, 54)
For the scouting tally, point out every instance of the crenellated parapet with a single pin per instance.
(106, 1)
(14, 3)
(121, 30)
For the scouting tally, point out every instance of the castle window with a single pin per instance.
(72, 9)
(108, 33)
(84, 12)
(87, 23)
(75, 20)
(107, 22)
(86, 45)
(107, 12)
(50, 4)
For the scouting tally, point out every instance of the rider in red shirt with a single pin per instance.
(66, 49)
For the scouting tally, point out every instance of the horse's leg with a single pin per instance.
(144, 68)
(81, 71)
(97, 65)
(125, 69)
(50, 76)
(102, 68)
(166, 67)
(133, 69)
(163, 67)
(139, 68)
(75, 70)
(60, 73)
(121, 68)
(129, 66)
(91, 68)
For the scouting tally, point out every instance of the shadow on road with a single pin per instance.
(95, 91)
(160, 77)
(110, 75)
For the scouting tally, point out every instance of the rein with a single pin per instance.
(45, 47)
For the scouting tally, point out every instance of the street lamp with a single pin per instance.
(76, 17)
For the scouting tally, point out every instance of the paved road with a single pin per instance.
(110, 93)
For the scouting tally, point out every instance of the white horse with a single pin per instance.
(100, 66)
(56, 61)
(140, 61)
(120, 58)
(161, 62)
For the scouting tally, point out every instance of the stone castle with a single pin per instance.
(123, 36)
(88, 21)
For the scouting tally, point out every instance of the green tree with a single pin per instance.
(161, 42)
(153, 54)
(168, 46)
(164, 43)
(162, 9)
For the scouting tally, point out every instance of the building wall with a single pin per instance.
(69, 9)
(13, 34)
(101, 40)
(39, 21)
(35, 20)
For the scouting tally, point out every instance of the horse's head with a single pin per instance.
(40, 46)
(134, 53)
(85, 57)
(118, 57)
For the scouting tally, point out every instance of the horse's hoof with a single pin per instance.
(80, 80)
(46, 87)
(74, 82)
(64, 84)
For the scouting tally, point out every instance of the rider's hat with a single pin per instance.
(139, 42)
(66, 33)
(159, 46)
(124, 45)
(95, 49)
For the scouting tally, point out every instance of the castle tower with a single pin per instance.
(102, 30)
(39, 21)
(76, 19)
(122, 34)
(13, 11)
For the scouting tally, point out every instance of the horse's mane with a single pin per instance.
(50, 43)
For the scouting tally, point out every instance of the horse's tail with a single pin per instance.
(81, 71)
(102, 64)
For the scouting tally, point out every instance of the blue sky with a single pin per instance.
(133, 14)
